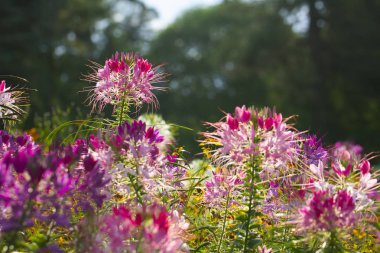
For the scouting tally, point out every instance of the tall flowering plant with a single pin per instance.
(253, 146)
(266, 172)
(125, 80)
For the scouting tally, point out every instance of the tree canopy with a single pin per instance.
(247, 52)
(49, 43)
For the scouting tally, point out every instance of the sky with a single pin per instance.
(169, 10)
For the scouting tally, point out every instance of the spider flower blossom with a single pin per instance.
(241, 137)
(148, 229)
(235, 136)
(11, 102)
(278, 145)
(313, 150)
(137, 143)
(222, 185)
(327, 211)
(124, 77)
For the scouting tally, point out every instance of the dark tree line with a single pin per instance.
(49, 43)
(234, 53)
(246, 52)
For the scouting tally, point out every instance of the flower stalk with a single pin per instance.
(224, 221)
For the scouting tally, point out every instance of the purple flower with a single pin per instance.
(314, 152)
(47, 186)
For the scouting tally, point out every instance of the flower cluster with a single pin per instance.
(243, 140)
(343, 195)
(158, 174)
(147, 229)
(263, 187)
(235, 135)
(300, 182)
(38, 186)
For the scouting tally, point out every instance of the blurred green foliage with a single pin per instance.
(248, 52)
(49, 43)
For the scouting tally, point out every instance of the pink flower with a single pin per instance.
(326, 211)
(223, 183)
(243, 114)
(124, 77)
(232, 122)
(147, 229)
(236, 137)
(264, 249)
(11, 102)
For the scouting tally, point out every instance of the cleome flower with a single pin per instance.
(124, 78)
(328, 211)
(146, 229)
(11, 103)
(234, 136)
(157, 173)
(38, 186)
(241, 137)
(222, 185)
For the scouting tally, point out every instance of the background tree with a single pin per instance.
(231, 54)
(49, 43)
(248, 52)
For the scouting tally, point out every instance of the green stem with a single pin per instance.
(334, 245)
(135, 187)
(250, 208)
(224, 221)
(122, 111)
(123, 105)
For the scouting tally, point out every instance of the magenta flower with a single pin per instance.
(235, 135)
(136, 140)
(147, 229)
(340, 169)
(326, 211)
(365, 167)
(124, 77)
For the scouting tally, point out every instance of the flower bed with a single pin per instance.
(123, 186)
